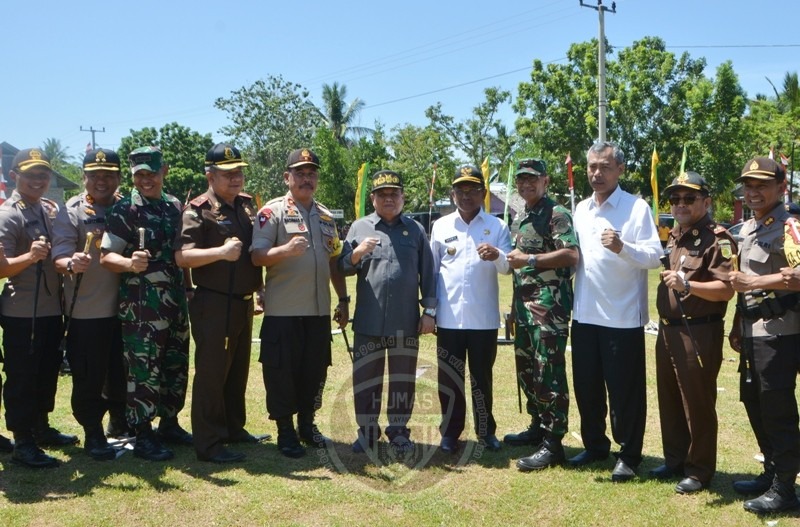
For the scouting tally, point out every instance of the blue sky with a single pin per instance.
(122, 66)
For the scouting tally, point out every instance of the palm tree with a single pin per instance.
(56, 152)
(789, 98)
(340, 116)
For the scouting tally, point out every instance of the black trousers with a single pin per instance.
(220, 377)
(31, 371)
(370, 357)
(295, 355)
(772, 364)
(455, 349)
(610, 362)
(94, 352)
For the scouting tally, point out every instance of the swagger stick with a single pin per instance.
(36, 288)
(86, 248)
(141, 280)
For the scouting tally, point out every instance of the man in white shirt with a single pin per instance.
(619, 243)
(469, 250)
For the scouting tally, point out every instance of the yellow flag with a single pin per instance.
(654, 182)
(487, 203)
(791, 242)
(361, 190)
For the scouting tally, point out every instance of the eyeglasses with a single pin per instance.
(467, 192)
(687, 200)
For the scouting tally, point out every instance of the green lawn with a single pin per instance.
(335, 487)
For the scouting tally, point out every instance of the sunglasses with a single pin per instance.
(687, 200)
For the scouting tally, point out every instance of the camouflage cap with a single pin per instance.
(690, 180)
(468, 174)
(145, 158)
(28, 159)
(763, 168)
(224, 156)
(386, 179)
(531, 167)
(302, 156)
(101, 159)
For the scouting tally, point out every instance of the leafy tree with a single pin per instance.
(184, 150)
(481, 135)
(339, 116)
(269, 119)
(416, 151)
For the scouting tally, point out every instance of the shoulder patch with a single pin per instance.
(199, 200)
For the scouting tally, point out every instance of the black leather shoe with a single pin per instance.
(96, 445)
(289, 445)
(49, 436)
(622, 472)
(778, 498)
(148, 447)
(26, 453)
(549, 455)
(224, 456)
(310, 435)
(754, 487)
(449, 444)
(361, 445)
(490, 442)
(6, 445)
(172, 433)
(246, 437)
(533, 436)
(689, 486)
(586, 457)
(664, 473)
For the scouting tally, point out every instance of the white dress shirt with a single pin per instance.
(466, 286)
(611, 289)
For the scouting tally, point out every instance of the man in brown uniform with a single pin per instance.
(692, 299)
(214, 242)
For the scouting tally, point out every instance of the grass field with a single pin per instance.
(334, 487)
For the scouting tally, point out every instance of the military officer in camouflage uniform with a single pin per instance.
(545, 250)
(295, 238)
(94, 339)
(31, 311)
(155, 326)
(215, 243)
(692, 300)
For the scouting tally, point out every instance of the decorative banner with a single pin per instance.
(509, 187)
(654, 179)
(361, 190)
(487, 202)
(571, 182)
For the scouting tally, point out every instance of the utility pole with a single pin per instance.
(602, 103)
(93, 131)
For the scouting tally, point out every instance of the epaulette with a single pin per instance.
(718, 229)
(199, 200)
(274, 200)
(245, 195)
(323, 209)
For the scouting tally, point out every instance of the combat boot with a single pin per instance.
(148, 446)
(96, 445)
(26, 453)
(288, 443)
(308, 431)
(169, 431)
(532, 436)
(118, 424)
(780, 497)
(550, 454)
(46, 435)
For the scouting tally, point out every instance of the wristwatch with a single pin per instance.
(344, 299)
(532, 261)
(687, 287)
(430, 311)
(69, 266)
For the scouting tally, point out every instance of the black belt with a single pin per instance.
(233, 295)
(691, 320)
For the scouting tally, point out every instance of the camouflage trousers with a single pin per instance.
(542, 375)
(157, 356)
